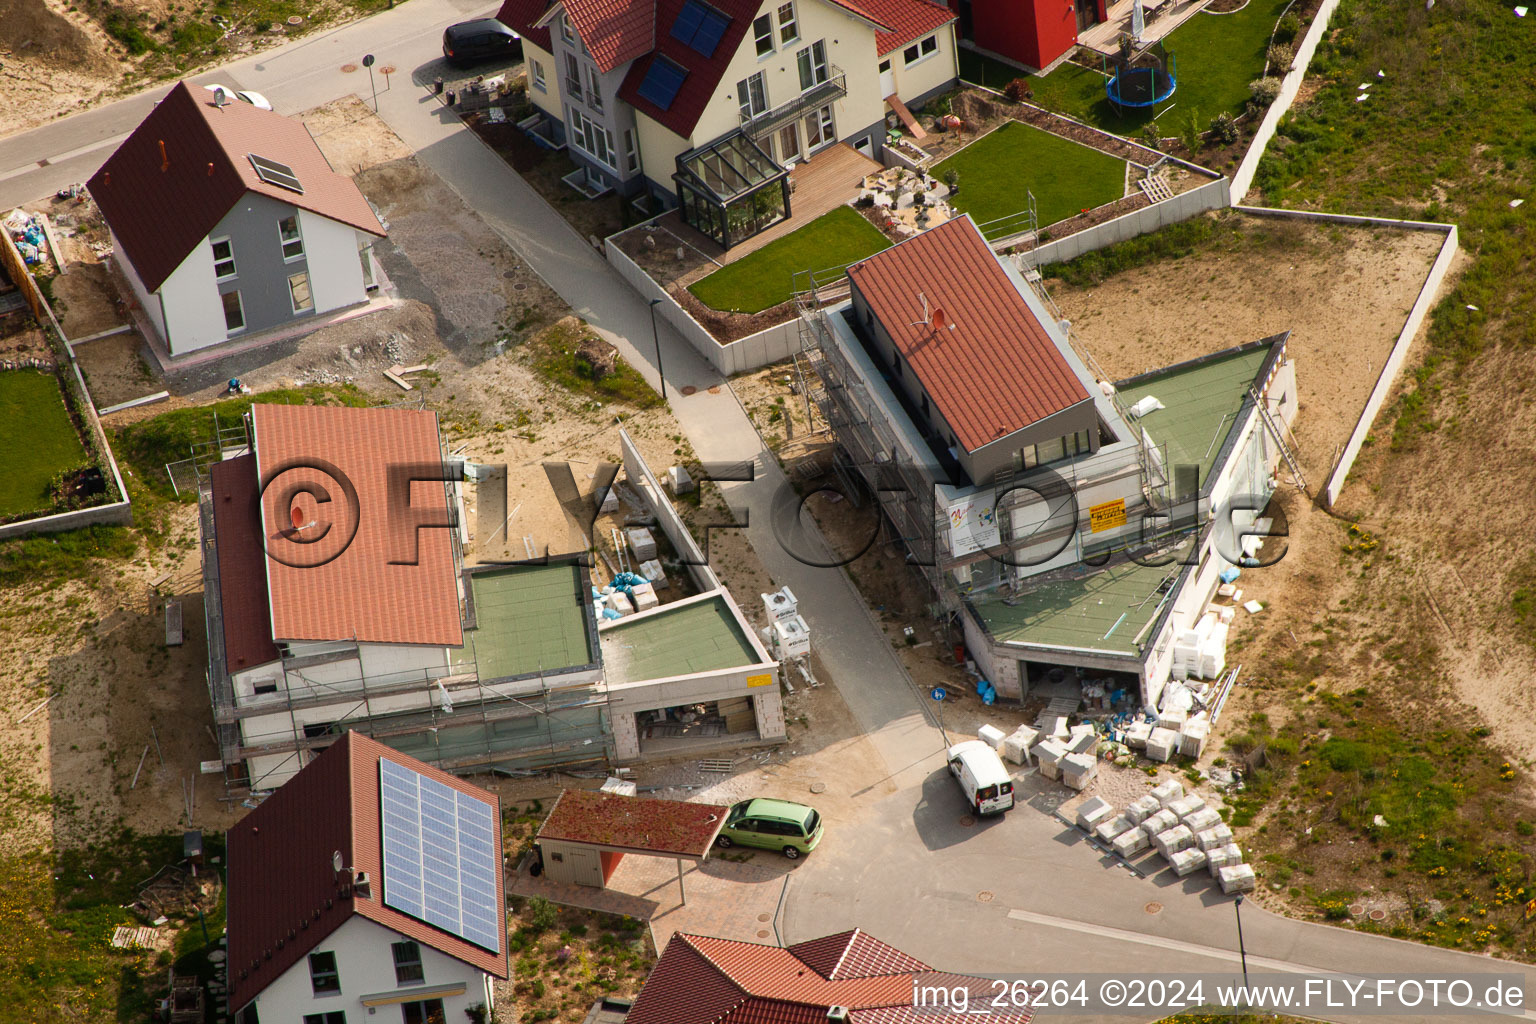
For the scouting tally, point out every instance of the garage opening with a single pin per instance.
(1065, 689)
(682, 726)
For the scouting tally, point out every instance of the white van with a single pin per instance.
(982, 777)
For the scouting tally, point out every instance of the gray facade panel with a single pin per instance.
(261, 273)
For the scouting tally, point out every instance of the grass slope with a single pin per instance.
(1065, 177)
(766, 277)
(1216, 56)
(37, 438)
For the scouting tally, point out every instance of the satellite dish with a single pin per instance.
(336, 861)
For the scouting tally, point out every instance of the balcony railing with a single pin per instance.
(819, 95)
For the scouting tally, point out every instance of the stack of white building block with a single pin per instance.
(1114, 828)
(1017, 745)
(1077, 770)
(1236, 878)
(1048, 755)
(1094, 811)
(1160, 822)
(1136, 734)
(992, 736)
(1131, 842)
(1162, 744)
(1167, 791)
(1193, 736)
(1204, 818)
(1184, 806)
(1187, 860)
(1142, 808)
(1214, 837)
(1173, 840)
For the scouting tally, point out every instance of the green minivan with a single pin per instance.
(790, 828)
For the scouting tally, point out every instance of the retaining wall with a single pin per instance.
(1213, 195)
(1242, 180)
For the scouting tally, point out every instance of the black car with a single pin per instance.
(471, 42)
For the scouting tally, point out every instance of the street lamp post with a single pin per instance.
(656, 339)
(1237, 908)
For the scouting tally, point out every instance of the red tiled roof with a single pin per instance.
(357, 594)
(936, 1015)
(670, 827)
(162, 207)
(854, 954)
(704, 73)
(520, 16)
(909, 20)
(614, 31)
(284, 899)
(242, 577)
(703, 980)
(998, 370)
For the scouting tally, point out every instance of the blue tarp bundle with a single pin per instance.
(1230, 573)
(628, 581)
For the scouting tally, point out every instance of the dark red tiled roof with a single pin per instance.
(614, 31)
(360, 593)
(998, 370)
(670, 827)
(283, 896)
(908, 21)
(854, 954)
(704, 73)
(161, 207)
(242, 576)
(520, 15)
(703, 980)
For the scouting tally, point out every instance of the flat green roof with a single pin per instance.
(1084, 613)
(528, 618)
(1201, 403)
(699, 637)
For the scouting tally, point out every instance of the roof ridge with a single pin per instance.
(853, 937)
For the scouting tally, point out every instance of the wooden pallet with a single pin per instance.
(132, 938)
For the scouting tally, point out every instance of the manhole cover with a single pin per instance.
(762, 933)
(762, 917)
(984, 896)
(509, 274)
(295, 20)
(966, 821)
(1378, 915)
(1356, 909)
(520, 287)
(715, 390)
(689, 389)
(347, 69)
(818, 787)
(387, 69)
(1154, 907)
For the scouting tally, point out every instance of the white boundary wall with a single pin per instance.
(1213, 195)
(1242, 180)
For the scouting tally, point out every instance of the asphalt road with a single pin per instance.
(907, 870)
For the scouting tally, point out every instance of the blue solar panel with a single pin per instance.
(700, 27)
(440, 858)
(662, 81)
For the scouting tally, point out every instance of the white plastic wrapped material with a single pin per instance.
(1226, 613)
(1159, 823)
(1173, 718)
(1184, 806)
(1016, 746)
(1131, 842)
(1177, 696)
(1162, 744)
(1193, 736)
(1214, 837)
(1234, 853)
(1114, 828)
(1077, 770)
(620, 602)
(1187, 861)
(641, 542)
(1136, 735)
(1203, 819)
(1168, 791)
(644, 595)
(1216, 859)
(1173, 840)
(654, 572)
(1094, 811)
(1148, 404)
(1142, 808)
(1237, 878)
(991, 735)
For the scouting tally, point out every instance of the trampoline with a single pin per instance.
(1141, 87)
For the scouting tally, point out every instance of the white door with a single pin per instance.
(789, 144)
(819, 129)
(887, 79)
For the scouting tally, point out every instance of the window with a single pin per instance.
(631, 158)
(293, 242)
(428, 1011)
(594, 89)
(234, 320)
(789, 28)
(572, 77)
(662, 81)
(752, 94)
(762, 31)
(819, 129)
(407, 963)
(700, 27)
(332, 1017)
(565, 30)
(298, 291)
(813, 65)
(591, 137)
(920, 51)
(322, 973)
(538, 75)
(223, 259)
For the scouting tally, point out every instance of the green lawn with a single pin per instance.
(37, 438)
(766, 277)
(1065, 177)
(1215, 57)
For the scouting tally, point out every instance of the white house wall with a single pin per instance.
(366, 967)
(194, 313)
(935, 72)
(147, 302)
(335, 272)
(547, 99)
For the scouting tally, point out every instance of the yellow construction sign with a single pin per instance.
(1106, 516)
(765, 679)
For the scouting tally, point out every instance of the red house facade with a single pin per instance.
(1031, 32)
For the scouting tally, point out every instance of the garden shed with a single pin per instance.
(588, 832)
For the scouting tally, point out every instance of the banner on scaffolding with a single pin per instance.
(973, 525)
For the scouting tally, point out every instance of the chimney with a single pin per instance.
(837, 1013)
(210, 170)
(362, 886)
(165, 161)
(106, 177)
